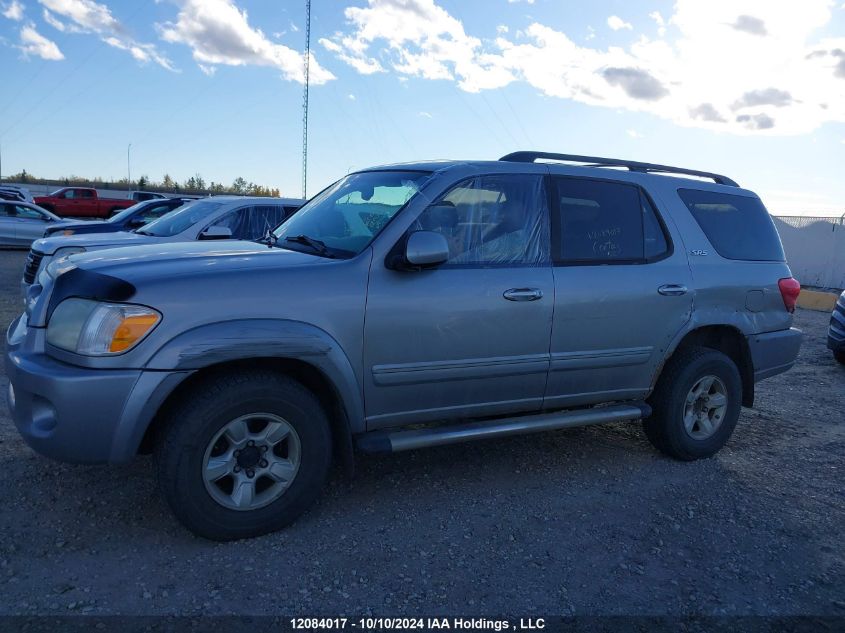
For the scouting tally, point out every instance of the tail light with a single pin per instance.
(789, 290)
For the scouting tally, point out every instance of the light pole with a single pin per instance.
(128, 168)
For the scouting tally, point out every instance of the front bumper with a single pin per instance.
(836, 332)
(75, 414)
(774, 352)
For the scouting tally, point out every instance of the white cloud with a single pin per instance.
(422, 40)
(219, 33)
(616, 23)
(33, 43)
(87, 16)
(634, 134)
(425, 115)
(141, 52)
(525, 1)
(53, 21)
(351, 97)
(661, 23)
(772, 72)
(13, 10)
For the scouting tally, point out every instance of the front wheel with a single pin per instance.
(839, 356)
(696, 404)
(243, 454)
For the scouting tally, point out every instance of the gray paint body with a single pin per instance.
(398, 347)
(22, 231)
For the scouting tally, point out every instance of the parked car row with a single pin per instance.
(403, 307)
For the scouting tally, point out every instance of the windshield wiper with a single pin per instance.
(315, 244)
(142, 232)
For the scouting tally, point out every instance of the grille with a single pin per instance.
(33, 261)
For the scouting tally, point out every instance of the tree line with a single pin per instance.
(196, 184)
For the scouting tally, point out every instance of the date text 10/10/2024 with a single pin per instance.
(409, 624)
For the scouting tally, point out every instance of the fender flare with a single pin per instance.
(246, 339)
(698, 322)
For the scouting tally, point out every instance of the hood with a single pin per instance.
(49, 245)
(75, 224)
(168, 259)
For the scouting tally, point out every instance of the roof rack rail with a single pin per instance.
(597, 161)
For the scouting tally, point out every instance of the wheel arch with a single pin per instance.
(299, 350)
(724, 338)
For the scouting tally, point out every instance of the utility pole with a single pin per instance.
(305, 100)
(128, 168)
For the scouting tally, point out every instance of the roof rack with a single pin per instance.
(597, 161)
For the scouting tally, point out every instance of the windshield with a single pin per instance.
(120, 217)
(180, 220)
(348, 215)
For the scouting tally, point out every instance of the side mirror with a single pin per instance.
(426, 249)
(216, 233)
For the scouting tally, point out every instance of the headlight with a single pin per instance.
(68, 250)
(93, 328)
(59, 267)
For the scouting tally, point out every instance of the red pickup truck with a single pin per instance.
(79, 202)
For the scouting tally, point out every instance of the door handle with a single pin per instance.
(672, 290)
(523, 294)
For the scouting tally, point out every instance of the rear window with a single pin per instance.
(738, 227)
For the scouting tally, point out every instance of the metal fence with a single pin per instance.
(815, 249)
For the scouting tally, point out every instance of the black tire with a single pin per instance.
(839, 356)
(195, 420)
(665, 428)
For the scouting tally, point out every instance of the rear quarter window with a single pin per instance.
(738, 227)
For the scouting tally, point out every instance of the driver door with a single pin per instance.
(471, 337)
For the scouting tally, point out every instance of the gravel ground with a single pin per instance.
(585, 521)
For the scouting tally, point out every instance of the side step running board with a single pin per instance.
(394, 441)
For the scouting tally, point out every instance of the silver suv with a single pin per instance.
(409, 306)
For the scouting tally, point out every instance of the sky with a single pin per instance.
(754, 89)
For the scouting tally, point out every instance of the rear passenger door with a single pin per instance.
(88, 203)
(621, 291)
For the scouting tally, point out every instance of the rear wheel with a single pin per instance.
(840, 356)
(243, 454)
(696, 404)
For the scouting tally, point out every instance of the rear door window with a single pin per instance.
(738, 227)
(263, 219)
(604, 222)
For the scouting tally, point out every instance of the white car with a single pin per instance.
(216, 218)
